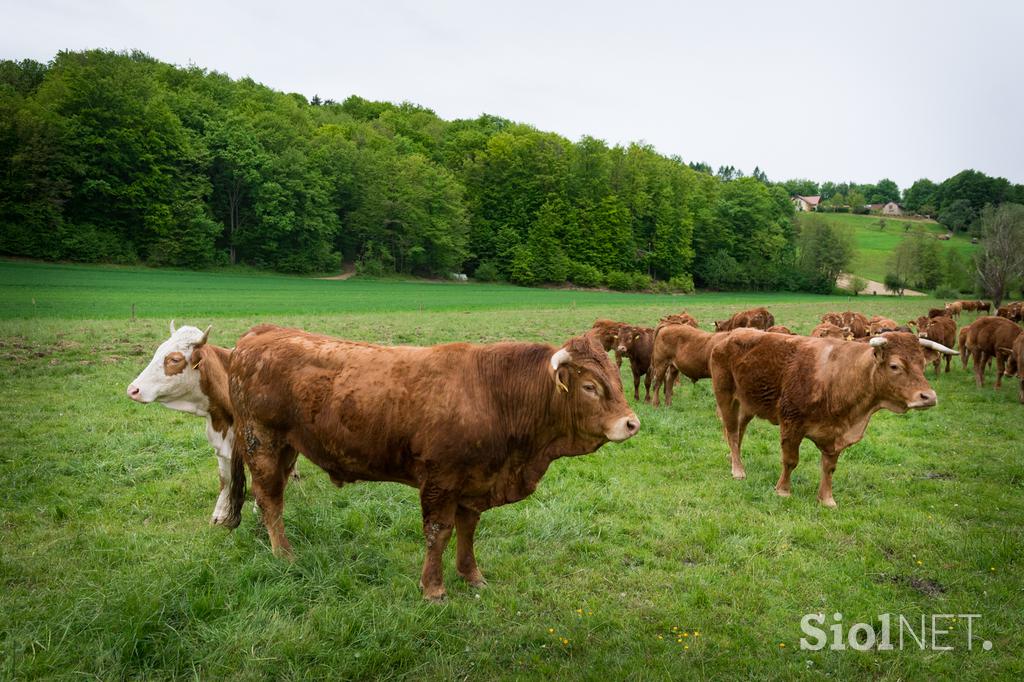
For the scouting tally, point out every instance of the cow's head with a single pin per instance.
(597, 406)
(628, 338)
(1013, 363)
(719, 325)
(172, 378)
(606, 332)
(901, 358)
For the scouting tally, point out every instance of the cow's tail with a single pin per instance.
(237, 491)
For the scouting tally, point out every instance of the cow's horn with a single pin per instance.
(172, 326)
(206, 335)
(560, 358)
(928, 343)
(877, 341)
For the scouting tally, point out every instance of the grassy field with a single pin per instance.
(110, 570)
(875, 245)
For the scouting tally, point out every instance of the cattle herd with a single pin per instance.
(473, 427)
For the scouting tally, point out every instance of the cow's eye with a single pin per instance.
(590, 388)
(894, 366)
(175, 359)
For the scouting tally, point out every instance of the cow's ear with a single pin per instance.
(562, 378)
(930, 355)
(197, 357)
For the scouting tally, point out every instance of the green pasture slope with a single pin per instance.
(644, 560)
(874, 245)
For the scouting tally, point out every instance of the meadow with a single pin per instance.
(874, 244)
(644, 560)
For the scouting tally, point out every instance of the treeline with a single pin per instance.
(118, 157)
(956, 202)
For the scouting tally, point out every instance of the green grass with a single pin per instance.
(109, 568)
(874, 245)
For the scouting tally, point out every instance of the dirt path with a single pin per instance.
(347, 270)
(873, 287)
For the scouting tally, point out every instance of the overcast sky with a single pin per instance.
(841, 91)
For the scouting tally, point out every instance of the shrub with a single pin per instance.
(857, 285)
(638, 281)
(487, 271)
(682, 284)
(584, 275)
(619, 281)
(945, 292)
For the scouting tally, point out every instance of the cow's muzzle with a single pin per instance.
(135, 393)
(925, 399)
(623, 428)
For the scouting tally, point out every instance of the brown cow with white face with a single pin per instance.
(187, 374)
(824, 390)
(470, 426)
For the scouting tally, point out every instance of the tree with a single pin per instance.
(1001, 258)
(825, 251)
(900, 267)
(958, 215)
(885, 191)
(920, 195)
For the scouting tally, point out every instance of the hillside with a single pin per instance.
(874, 244)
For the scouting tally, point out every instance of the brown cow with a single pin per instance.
(637, 344)
(938, 312)
(822, 389)
(1015, 363)
(471, 426)
(756, 318)
(986, 337)
(954, 309)
(779, 329)
(680, 349)
(1012, 311)
(858, 324)
(983, 306)
(940, 330)
(965, 352)
(679, 318)
(606, 333)
(879, 325)
(828, 330)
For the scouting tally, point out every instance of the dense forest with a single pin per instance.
(118, 157)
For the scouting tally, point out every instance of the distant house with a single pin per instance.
(889, 208)
(806, 203)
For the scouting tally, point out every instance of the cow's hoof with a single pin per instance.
(739, 475)
(475, 579)
(436, 596)
(829, 502)
(783, 492)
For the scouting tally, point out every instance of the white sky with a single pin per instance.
(840, 91)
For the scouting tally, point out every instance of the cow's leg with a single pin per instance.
(438, 521)
(734, 423)
(658, 370)
(465, 526)
(980, 360)
(948, 358)
(636, 380)
(829, 457)
(618, 359)
(1000, 368)
(671, 374)
(647, 385)
(269, 464)
(223, 508)
(790, 439)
